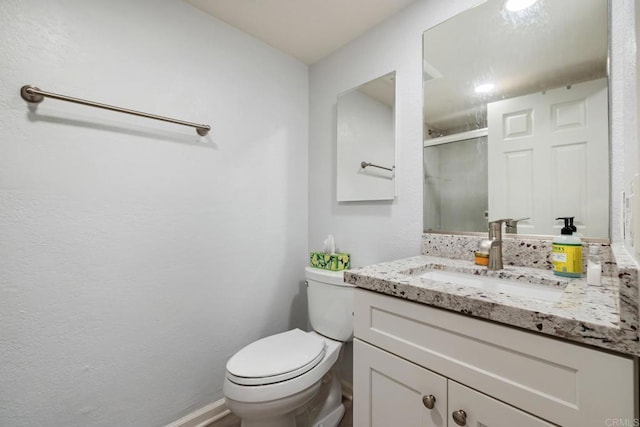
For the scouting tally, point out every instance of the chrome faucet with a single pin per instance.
(511, 225)
(495, 251)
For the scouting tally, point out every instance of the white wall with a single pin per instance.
(373, 231)
(126, 244)
(383, 230)
(624, 112)
(137, 256)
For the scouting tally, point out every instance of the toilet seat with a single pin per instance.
(276, 358)
(284, 389)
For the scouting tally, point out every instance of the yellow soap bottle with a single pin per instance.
(566, 254)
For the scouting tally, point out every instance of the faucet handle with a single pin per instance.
(512, 225)
(511, 222)
(500, 221)
(495, 228)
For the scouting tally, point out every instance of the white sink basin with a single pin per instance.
(493, 284)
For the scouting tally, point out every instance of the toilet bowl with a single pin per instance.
(287, 380)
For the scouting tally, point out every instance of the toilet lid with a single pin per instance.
(276, 358)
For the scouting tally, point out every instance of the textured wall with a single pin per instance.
(137, 256)
(383, 230)
(624, 111)
(396, 44)
(124, 283)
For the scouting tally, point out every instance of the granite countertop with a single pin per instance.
(604, 315)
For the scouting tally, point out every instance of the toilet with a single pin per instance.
(288, 379)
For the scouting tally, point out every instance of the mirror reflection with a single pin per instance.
(366, 141)
(516, 118)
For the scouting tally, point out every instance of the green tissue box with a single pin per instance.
(333, 262)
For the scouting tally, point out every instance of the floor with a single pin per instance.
(233, 421)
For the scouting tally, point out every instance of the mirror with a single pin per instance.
(516, 117)
(366, 141)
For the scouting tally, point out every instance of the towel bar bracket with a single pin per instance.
(28, 94)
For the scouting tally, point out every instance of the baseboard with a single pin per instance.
(203, 416)
(217, 410)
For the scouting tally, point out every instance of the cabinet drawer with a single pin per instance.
(564, 383)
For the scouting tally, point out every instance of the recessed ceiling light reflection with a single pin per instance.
(484, 88)
(516, 5)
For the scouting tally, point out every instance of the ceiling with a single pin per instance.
(308, 30)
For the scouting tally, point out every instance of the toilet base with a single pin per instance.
(326, 408)
(332, 419)
(276, 413)
(318, 406)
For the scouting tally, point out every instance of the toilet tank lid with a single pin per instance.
(325, 276)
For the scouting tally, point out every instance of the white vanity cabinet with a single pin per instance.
(415, 365)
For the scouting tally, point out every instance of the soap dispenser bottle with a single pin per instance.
(566, 254)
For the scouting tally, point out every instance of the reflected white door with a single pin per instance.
(548, 157)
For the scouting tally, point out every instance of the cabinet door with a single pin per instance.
(389, 391)
(470, 408)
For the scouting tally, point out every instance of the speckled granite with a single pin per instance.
(604, 316)
(530, 252)
(629, 292)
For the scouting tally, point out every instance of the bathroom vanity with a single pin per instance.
(435, 347)
(509, 133)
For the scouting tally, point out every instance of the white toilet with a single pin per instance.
(287, 380)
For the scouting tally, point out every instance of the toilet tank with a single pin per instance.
(330, 303)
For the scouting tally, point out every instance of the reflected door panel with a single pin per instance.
(545, 155)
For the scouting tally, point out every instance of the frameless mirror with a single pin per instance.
(516, 117)
(366, 141)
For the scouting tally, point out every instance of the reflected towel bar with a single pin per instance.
(34, 95)
(365, 164)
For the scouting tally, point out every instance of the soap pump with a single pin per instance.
(566, 254)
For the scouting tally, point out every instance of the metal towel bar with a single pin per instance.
(33, 94)
(365, 164)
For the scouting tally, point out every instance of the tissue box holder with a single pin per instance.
(333, 262)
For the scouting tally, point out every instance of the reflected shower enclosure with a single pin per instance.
(452, 204)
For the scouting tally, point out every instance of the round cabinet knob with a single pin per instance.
(460, 417)
(429, 401)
